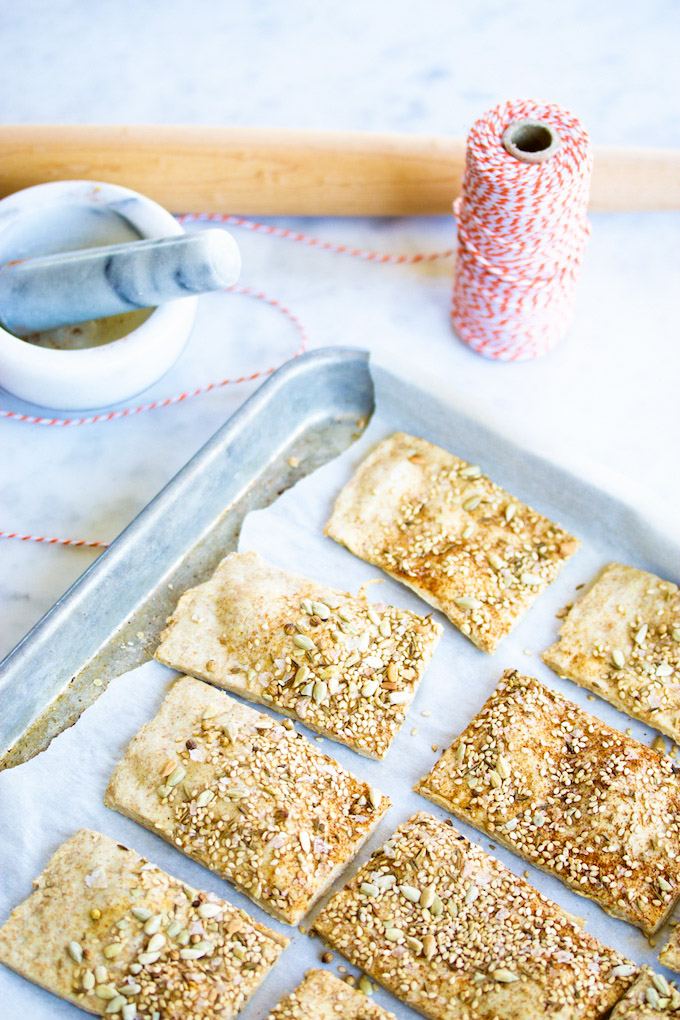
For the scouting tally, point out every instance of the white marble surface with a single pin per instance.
(607, 397)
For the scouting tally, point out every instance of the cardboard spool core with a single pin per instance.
(531, 141)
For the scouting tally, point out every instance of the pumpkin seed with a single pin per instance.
(385, 629)
(472, 502)
(624, 970)
(305, 841)
(429, 946)
(503, 975)
(153, 924)
(113, 950)
(204, 798)
(105, 992)
(495, 561)
(399, 697)
(302, 674)
(320, 692)
(101, 975)
(467, 602)
(88, 981)
(410, 893)
(394, 934)
(302, 641)
(321, 610)
(176, 776)
(156, 942)
(365, 986)
(75, 951)
(460, 751)
(209, 909)
(368, 889)
(369, 688)
(415, 944)
(502, 768)
(427, 897)
(192, 953)
(147, 958)
(641, 634)
(116, 1004)
(618, 658)
(174, 928)
(129, 1011)
(661, 985)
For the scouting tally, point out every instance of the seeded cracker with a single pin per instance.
(621, 640)
(346, 668)
(670, 954)
(437, 524)
(110, 932)
(454, 934)
(651, 997)
(570, 794)
(250, 799)
(321, 996)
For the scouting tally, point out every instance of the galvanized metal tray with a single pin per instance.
(109, 621)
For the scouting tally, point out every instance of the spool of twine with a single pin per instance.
(522, 229)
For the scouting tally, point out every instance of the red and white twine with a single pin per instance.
(522, 229)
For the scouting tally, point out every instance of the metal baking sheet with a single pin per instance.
(109, 621)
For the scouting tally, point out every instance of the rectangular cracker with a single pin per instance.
(450, 931)
(669, 955)
(651, 997)
(246, 796)
(86, 933)
(438, 525)
(345, 668)
(621, 640)
(573, 796)
(321, 996)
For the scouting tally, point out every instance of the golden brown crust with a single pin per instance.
(621, 640)
(243, 630)
(669, 955)
(650, 997)
(454, 934)
(81, 935)
(573, 796)
(321, 996)
(437, 524)
(245, 795)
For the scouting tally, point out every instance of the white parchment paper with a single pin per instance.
(45, 800)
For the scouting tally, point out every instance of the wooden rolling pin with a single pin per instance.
(258, 171)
